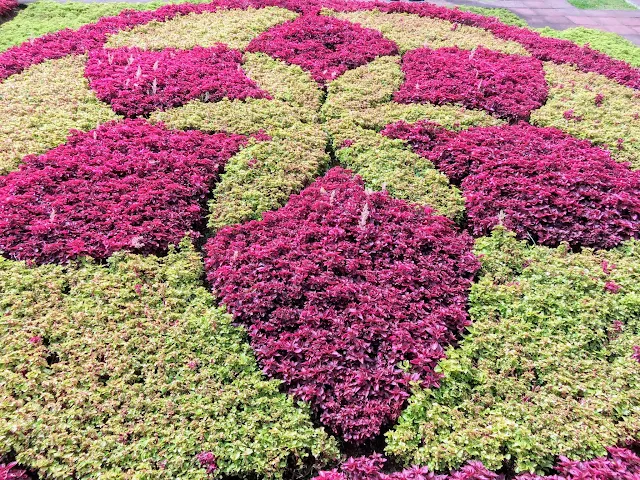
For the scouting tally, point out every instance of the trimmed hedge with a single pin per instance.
(546, 368)
(130, 370)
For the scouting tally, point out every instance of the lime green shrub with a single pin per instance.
(546, 369)
(40, 106)
(388, 164)
(131, 370)
(505, 16)
(590, 106)
(262, 176)
(360, 103)
(411, 31)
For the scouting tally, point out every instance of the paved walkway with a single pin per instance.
(560, 15)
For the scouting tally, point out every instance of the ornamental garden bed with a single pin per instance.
(323, 239)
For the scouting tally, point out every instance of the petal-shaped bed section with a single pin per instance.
(235, 27)
(539, 182)
(39, 107)
(348, 295)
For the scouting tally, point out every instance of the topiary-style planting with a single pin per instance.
(247, 239)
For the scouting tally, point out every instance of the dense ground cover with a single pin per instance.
(251, 239)
(7, 6)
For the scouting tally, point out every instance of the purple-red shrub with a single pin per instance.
(137, 82)
(124, 186)
(348, 296)
(325, 46)
(636, 353)
(6, 7)
(208, 461)
(10, 471)
(509, 86)
(371, 468)
(621, 464)
(539, 182)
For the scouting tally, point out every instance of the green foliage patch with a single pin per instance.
(129, 369)
(40, 106)
(551, 345)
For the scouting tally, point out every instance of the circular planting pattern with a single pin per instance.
(324, 239)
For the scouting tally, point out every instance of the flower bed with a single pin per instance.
(243, 238)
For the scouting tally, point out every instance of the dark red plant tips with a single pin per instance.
(620, 464)
(510, 86)
(10, 471)
(539, 182)
(124, 186)
(325, 46)
(348, 296)
(138, 82)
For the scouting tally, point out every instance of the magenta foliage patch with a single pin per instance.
(509, 86)
(540, 182)
(124, 186)
(6, 7)
(621, 464)
(208, 461)
(138, 82)
(10, 471)
(371, 468)
(325, 46)
(338, 288)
